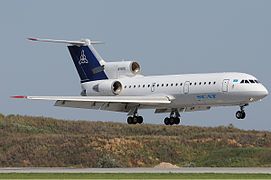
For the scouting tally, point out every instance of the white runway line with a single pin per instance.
(249, 170)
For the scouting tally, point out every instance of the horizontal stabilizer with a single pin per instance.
(82, 42)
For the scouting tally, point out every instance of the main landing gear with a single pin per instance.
(174, 118)
(134, 118)
(241, 114)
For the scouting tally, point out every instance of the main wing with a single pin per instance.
(109, 103)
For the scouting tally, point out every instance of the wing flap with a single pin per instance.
(104, 99)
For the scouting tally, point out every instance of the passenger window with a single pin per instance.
(143, 85)
(176, 84)
(199, 83)
(195, 83)
(167, 85)
(190, 83)
(149, 85)
(209, 82)
(171, 84)
(157, 85)
(214, 82)
(139, 86)
(204, 83)
(125, 86)
(134, 86)
(251, 81)
(181, 84)
(243, 81)
(130, 86)
(246, 81)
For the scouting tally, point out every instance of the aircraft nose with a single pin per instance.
(265, 91)
(259, 94)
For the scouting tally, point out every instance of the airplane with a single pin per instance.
(121, 87)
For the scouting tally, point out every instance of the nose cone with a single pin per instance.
(257, 94)
(265, 92)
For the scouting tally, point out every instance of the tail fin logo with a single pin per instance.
(83, 58)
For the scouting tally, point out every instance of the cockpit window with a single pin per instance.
(243, 81)
(246, 81)
(251, 81)
(257, 81)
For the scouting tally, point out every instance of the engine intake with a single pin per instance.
(116, 87)
(122, 68)
(108, 87)
(135, 67)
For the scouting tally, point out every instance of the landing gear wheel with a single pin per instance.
(166, 121)
(243, 115)
(177, 120)
(134, 119)
(171, 120)
(240, 114)
(139, 119)
(130, 120)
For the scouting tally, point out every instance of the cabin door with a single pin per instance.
(153, 87)
(225, 85)
(186, 87)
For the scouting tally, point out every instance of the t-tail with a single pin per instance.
(88, 63)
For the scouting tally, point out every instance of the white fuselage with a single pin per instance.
(193, 90)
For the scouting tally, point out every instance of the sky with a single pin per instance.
(166, 37)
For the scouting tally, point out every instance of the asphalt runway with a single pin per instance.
(137, 170)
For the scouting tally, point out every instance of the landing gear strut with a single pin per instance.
(241, 114)
(174, 118)
(134, 119)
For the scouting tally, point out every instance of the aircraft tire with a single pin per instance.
(243, 114)
(139, 119)
(177, 120)
(239, 114)
(130, 120)
(166, 121)
(171, 120)
(135, 121)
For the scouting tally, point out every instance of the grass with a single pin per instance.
(27, 141)
(131, 176)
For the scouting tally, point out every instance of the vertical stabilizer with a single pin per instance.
(88, 63)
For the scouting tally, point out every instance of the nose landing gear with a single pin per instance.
(241, 114)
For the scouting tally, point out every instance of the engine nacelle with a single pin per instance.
(108, 87)
(122, 68)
